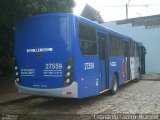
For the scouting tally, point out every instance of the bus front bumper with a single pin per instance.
(70, 91)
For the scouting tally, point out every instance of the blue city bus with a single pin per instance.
(64, 55)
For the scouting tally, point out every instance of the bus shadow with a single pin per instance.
(65, 105)
(127, 85)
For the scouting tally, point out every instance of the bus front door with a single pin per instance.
(103, 57)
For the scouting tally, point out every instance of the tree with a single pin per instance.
(13, 10)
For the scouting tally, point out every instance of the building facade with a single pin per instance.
(145, 30)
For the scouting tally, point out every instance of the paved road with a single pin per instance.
(141, 97)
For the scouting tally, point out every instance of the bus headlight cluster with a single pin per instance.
(16, 74)
(68, 73)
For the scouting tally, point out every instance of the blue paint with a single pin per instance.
(60, 32)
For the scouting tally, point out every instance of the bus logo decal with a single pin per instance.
(113, 64)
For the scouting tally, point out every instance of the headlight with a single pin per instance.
(69, 67)
(16, 73)
(68, 73)
(68, 80)
(17, 79)
(16, 68)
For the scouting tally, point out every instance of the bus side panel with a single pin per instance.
(86, 69)
(87, 77)
(115, 66)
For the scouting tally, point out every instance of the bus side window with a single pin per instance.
(87, 39)
(112, 45)
(131, 46)
(136, 50)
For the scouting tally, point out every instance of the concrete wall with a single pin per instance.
(150, 39)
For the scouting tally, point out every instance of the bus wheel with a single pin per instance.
(114, 85)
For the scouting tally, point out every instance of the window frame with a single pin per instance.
(94, 41)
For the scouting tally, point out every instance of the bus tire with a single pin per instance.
(114, 85)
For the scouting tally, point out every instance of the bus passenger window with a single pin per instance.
(87, 39)
(112, 45)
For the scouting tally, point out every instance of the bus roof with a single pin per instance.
(95, 24)
(100, 26)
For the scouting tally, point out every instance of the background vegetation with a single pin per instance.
(13, 10)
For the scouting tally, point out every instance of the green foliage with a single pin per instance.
(17, 9)
(13, 10)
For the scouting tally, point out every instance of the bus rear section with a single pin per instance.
(43, 56)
